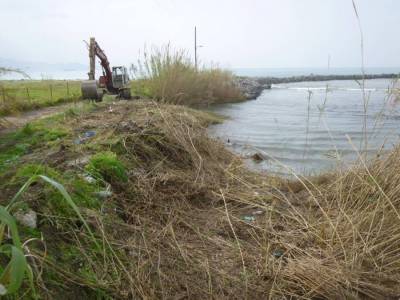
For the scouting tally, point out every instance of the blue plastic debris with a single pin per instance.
(249, 218)
(84, 137)
(89, 134)
(277, 253)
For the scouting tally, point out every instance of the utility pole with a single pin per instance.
(195, 47)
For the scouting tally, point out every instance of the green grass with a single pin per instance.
(24, 95)
(14, 145)
(13, 273)
(106, 165)
(48, 131)
(51, 201)
(14, 267)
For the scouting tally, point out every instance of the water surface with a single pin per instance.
(305, 127)
(288, 72)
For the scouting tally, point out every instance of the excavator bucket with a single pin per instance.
(90, 90)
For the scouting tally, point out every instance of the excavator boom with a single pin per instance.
(95, 50)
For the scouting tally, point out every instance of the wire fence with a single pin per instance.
(40, 91)
(33, 94)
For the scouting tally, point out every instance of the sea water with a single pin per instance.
(311, 127)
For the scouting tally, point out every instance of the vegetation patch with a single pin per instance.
(29, 170)
(107, 166)
(23, 141)
(190, 221)
(170, 76)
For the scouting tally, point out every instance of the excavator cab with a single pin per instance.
(120, 77)
(120, 81)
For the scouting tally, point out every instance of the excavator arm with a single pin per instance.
(95, 50)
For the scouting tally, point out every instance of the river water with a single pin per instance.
(311, 127)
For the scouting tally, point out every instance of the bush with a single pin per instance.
(170, 76)
(107, 166)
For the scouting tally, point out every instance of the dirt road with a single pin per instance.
(9, 123)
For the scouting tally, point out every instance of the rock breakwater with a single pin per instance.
(252, 87)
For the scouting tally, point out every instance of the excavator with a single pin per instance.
(114, 81)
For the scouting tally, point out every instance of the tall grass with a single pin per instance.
(12, 276)
(170, 76)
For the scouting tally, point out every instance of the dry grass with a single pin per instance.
(193, 223)
(335, 240)
(170, 76)
(341, 239)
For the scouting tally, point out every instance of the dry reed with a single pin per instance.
(193, 223)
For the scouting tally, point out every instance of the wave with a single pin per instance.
(324, 88)
(359, 89)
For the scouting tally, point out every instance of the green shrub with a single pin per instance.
(107, 166)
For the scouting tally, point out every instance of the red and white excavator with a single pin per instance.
(114, 81)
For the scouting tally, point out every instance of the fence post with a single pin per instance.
(27, 93)
(51, 92)
(67, 89)
(4, 95)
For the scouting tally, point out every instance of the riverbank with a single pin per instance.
(167, 212)
(252, 87)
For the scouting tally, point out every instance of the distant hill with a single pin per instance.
(41, 66)
(40, 70)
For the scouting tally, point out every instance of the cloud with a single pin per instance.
(238, 33)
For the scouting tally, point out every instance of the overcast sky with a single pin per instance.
(235, 33)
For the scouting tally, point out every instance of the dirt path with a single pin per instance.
(10, 123)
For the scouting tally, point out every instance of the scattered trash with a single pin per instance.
(130, 126)
(258, 212)
(89, 179)
(249, 218)
(103, 194)
(3, 290)
(110, 110)
(80, 161)
(137, 172)
(277, 253)
(27, 218)
(87, 135)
